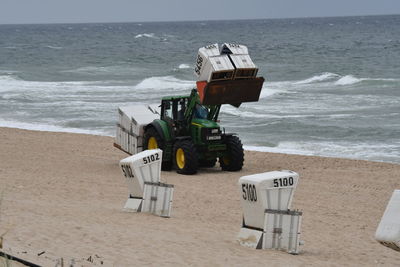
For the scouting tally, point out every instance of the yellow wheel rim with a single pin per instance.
(226, 160)
(180, 158)
(152, 144)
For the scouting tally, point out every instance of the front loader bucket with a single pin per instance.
(232, 92)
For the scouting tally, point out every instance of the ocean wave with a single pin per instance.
(104, 70)
(8, 79)
(277, 150)
(267, 92)
(348, 80)
(369, 151)
(240, 113)
(273, 88)
(47, 127)
(9, 96)
(147, 35)
(87, 70)
(319, 78)
(54, 47)
(15, 85)
(258, 112)
(184, 66)
(10, 83)
(324, 80)
(164, 83)
(6, 74)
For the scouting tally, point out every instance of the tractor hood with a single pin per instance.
(205, 123)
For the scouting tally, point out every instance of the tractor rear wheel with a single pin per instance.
(185, 157)
(153, 140)
(234, 158)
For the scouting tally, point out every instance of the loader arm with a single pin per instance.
(192, 101)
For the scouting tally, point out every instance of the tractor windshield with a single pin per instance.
(201, 112)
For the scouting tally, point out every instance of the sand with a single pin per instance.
(62, 196)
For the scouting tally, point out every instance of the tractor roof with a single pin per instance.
(174, 97)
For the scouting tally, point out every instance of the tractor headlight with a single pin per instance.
(214, 131)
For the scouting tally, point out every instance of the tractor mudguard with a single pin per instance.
(227, 135)
(161, 128)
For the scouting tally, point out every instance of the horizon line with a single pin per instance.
(196, 20)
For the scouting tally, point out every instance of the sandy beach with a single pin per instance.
(62, 196)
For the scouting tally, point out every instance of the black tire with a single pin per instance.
(166, 165)
(152, 132)
(189, 163)
(207, 163)
(234, 158)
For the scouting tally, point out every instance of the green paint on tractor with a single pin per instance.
(190, 136)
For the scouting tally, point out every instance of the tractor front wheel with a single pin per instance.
(153, 140)
(234, 158)
(185, 157)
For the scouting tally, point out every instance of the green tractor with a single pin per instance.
(190, 136)
(188, 131)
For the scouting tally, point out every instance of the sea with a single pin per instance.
(332, 84)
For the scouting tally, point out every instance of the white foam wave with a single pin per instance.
(54, 47)
(367, 151)
(7, 72)
(11, 84)
(277, 150)
(279, 87)
(324, 80)
(7, 81)
(148, 35)
(152, 85)
(270, 89)
(259, 112)
(243, 114)
(184, 66)
(46, 127)
(319, 78)
(104, 70)
(269, 92)
(348, 80)
(275, 88)
(87, 70)
(384, 79)
(155, 84)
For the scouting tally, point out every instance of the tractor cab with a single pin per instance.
(173, 113)
(186, 116)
